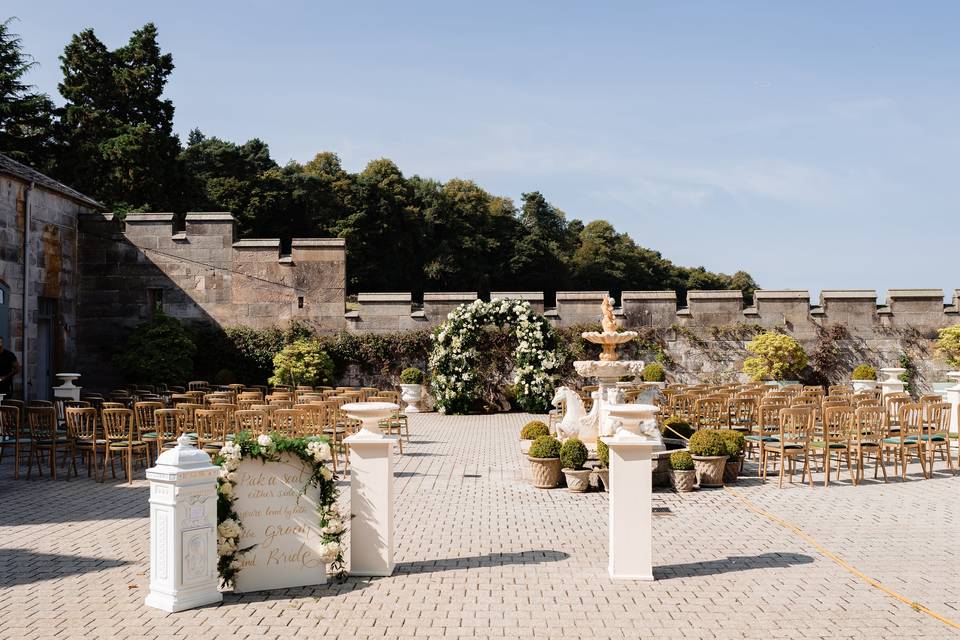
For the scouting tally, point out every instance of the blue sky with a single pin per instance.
(813, 144)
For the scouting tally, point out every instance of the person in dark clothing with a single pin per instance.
(9, 367)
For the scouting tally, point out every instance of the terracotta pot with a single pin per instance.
(604, 474)
(709, 470)
(578, 480)
(545, 472)
(683, 480)
(731, 470)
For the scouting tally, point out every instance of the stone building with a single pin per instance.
(39, 278)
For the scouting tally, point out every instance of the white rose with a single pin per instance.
(333, 527)
(264, 440)
(326, 474)
(226, 489)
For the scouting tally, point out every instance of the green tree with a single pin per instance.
(116, 126)
(541, 254)
(158, 351)
(26, 116)
(303, 362)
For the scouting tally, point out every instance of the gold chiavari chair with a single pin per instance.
(710, 412)
(189, 412)
(796, 424)
(743, 413)
(868, 434)
(832, 436)
(44, 436)
(312, 418)
(367, 392)
(230, 410)
(893, 402)
(82, 430)
(13, 435)
(906, 438)
(143, 416)
(930, 398)
(766, 428)
(198, 385)
(118, 430)
(840, 390)
(287, 422)
(170, 424)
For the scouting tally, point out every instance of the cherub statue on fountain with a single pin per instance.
(608, 322)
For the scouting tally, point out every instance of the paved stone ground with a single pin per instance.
(483, 555)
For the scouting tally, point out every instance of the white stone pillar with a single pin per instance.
(891, 382)
(183, 530)
(953, 397)
(631, 509)
(371, 491)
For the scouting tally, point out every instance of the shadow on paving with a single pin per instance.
(534, 556)
(22, 566)
(45, 501)
(730, 564)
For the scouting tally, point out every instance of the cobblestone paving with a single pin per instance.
(483, 555)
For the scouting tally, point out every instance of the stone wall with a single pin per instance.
(202, 275)
(52, 277)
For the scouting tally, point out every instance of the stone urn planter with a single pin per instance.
(864, 385)
(578, 480)
(545, 472)
(603, 474)
(411, 394)
(683, 481)
(709, 470)
(731, 469)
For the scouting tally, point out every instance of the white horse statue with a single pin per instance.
(576, 421)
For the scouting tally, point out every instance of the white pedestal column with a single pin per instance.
(183, 530)
(67, 390)
(891, 382)
(953, 397)
(630, 495)
(371, 504)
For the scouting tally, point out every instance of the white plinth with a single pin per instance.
(953, 397)
(371, 504)
(891, 382)
(631, 509)
(183, 530)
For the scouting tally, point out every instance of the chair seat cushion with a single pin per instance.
(46, 442)
(152, 435)
(933, 437)
(761, 438)
(12, 440)
(907, 440)
(89, 442)
(775, 445)
(123, 444)
(819, 444)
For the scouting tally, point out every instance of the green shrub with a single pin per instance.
(159, 350)
(302, 362)
(676, 427)
(864, 372)
(573, 454)
(411, 375)
(948, 345)
(545, 447)
(224, 377)
(707, 442)
(776, 357)
(533, 430)
(654, 372)
(603, 454)
(733, 442)
(681, 461)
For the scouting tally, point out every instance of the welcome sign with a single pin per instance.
(280, 523)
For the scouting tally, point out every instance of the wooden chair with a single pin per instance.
(210, 426)
(170, 423)
(893, 403)
(935, 433)
(766, 428)
(867, 436)
(287, 421)
(393, 423)
(796, 425)
(44, 436)
(840, 390)
(906, 438)
(12, 435)
(833, 437)
(743, 413)
(312, 417)
(198, 385)
(82, 430)
(119, 430)
(145, 422)
(253, 421)
(711, 413)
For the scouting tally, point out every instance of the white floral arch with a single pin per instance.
(452, 363)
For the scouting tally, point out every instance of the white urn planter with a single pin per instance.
(864, 385)
(411, 394)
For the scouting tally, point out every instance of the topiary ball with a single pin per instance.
(864, 372)
(733, 442)
(545, 447)
(654, 372)
(573, 454)
(603, 454)
(707, 443)
(533, 430)
(411, 375)
(681, 461)
(676, 427)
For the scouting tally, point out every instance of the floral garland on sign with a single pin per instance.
(315, 452)
(452, 362)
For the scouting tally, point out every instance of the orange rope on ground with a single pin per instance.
(806, 537)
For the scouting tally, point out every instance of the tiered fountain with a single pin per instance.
(614, 416)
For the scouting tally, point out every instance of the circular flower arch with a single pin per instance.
(537, 358)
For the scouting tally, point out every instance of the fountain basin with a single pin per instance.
(609, 341)
(608, 369)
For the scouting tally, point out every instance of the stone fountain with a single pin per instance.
(613, 415)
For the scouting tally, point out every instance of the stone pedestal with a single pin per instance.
(371, 505)
(67, 390)
(183, 530)
(891, 382)
(631, 518)
(953, 397)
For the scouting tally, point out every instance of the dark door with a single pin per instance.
(43, 367)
